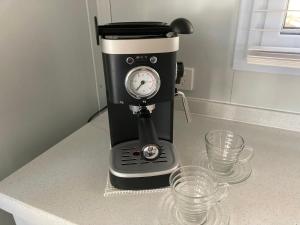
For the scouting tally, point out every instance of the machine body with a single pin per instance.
(140, 70)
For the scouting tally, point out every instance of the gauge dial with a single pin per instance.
(142, 82)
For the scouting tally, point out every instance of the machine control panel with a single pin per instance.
(140, 78)
(141, 59)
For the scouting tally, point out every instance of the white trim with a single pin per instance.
(92, 52)
(275, 49)
(243, 113)
(104, 16)
(274, 59)
(140, 46)
(29, 213)
(244, 20)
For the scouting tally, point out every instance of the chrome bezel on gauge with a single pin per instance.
(132, 72)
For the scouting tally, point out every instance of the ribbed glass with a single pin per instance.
(195, 190)
(223, 149)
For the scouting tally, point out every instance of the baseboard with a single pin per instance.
(241, 113)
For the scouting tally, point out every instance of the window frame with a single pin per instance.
(291, 30)
(281, 37)
(270, 63)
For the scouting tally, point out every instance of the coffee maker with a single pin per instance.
(140, 68)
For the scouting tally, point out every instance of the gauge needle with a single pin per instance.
(142, 82)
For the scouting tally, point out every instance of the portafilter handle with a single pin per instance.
(185, 105)
(148, 138)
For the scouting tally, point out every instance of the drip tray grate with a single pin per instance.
(132, 156)
(126, 157)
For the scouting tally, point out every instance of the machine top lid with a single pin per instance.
(139, 30)
(136, 24)
(134, 30)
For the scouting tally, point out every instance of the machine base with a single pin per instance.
(139, 183)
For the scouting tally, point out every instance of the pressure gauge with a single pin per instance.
(142, 82)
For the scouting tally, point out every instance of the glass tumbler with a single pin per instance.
(195, 190)
(224, 150)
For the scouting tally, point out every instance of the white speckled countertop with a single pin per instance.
(65, 185)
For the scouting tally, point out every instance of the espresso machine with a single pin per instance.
(140, 68)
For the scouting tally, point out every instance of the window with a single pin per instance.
(268, 37)
(292, 17)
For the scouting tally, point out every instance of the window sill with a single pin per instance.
(274, 58)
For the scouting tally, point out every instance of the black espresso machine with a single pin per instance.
(140, 68)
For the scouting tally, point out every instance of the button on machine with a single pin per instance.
(153, 59)
(129, 60)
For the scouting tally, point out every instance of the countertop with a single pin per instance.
(65, 185)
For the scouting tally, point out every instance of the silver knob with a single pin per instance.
(185, 106)
(150, 151)
(153, 59)
(129, 60)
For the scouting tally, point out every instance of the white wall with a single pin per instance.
(264, 90)
(210, 50)
(47, 80)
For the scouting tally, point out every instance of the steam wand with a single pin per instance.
(179, 75)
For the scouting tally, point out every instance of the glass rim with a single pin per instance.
(227, 131)
(210, 173)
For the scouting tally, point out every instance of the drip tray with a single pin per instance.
(127, 161)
